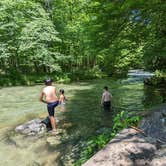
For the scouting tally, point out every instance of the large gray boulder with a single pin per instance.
(128, 148)
(33, 127)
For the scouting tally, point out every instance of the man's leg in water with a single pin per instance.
(50, 108)
(53, 123)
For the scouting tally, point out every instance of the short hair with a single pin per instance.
(48, 81)
(106, 87)
(62, 91)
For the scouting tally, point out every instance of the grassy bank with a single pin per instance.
(158, 80)
(16, 78)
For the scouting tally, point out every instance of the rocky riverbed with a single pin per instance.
(133, 147)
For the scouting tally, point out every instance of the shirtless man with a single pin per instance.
(49, 97)
(106, 99)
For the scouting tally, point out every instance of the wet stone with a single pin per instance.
(33, 127)
(53, 141)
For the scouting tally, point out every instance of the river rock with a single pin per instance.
(154, 125)
(32, 127)
(128, 148)
(160, 158)
(54, 141)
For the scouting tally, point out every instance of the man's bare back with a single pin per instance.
(106, 96)
(50, 94)
(106, 99)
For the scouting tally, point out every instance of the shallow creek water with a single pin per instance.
(83, 116)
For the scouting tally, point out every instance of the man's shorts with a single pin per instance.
(107, 105)
(51, 107)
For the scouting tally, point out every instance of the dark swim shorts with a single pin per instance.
(107, 106)
(51, 106)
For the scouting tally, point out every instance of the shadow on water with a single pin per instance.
(85, 112)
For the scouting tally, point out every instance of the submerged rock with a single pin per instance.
(32, 127)
(54, 141)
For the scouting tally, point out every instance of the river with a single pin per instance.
(83, 116)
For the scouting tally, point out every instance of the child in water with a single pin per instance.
(62, 99)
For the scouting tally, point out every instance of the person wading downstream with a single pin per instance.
(106, 99)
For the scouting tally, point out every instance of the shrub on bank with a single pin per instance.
(159, 79)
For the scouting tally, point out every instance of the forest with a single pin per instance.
(80, 39)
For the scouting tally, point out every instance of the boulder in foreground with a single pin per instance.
(128, 148)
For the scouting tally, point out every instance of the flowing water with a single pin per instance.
(83, 116)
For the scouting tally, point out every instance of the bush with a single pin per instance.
(85, 74)
(159, 79)
(16, 78)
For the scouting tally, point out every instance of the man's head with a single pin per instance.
(48, 81)
(106, 88)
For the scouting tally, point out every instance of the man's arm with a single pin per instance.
(110, 96)
(102, 99)
(41, 98)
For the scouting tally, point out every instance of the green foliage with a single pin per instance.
(92, 73)
(36, 41)
(159, 79)
(160, 74)
(123, 120)
(28, 38)
(81, 38)
(155, 47)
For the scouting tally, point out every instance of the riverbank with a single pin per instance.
(158, 80)
(131, 147)
(15, 78)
